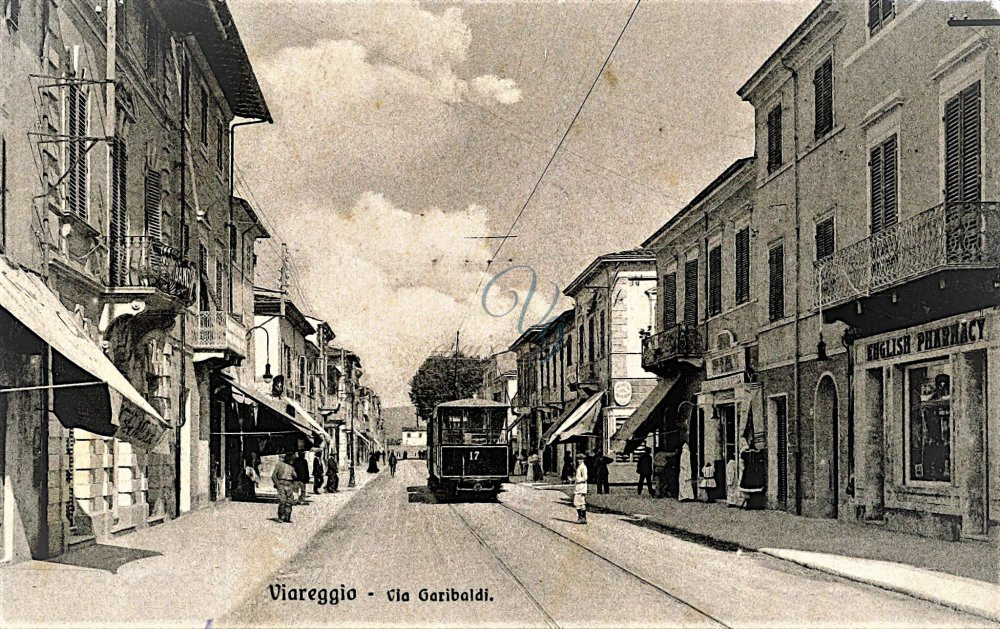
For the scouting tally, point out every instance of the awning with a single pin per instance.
(271, 411)
(89, 392)
(364, 438)
(559, 421)
(644, 418)
(580, 422)
(301, 413)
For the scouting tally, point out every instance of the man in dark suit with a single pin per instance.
(645, 470)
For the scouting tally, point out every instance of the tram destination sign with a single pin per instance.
(925, 340)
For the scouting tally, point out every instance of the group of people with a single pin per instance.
(528, 464)
(663, 469)
(373, 460)
(291, 476)
(597, 469)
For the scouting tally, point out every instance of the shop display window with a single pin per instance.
(928, 422)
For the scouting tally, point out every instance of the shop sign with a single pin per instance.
(725, 364)
(932, 338)
(622, 392)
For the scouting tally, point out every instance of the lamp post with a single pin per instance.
(266, 377)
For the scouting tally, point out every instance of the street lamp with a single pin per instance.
(267, 377)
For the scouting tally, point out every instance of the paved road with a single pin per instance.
(535, 567)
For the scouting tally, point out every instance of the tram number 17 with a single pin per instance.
(474, 455)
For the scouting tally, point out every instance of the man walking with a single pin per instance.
(318, 472)
(332, 477)
(301, 476)
(580, 490)
(660, 462)
(283, 478)
(602, 473)
(644, 468)
(392, 463)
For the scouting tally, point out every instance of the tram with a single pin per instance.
(467, 448)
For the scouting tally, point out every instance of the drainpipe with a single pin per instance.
(181, 407)
(798, 264)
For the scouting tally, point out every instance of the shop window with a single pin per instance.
(928, 415)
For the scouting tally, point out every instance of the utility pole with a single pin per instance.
(353, 442)
(454, 370)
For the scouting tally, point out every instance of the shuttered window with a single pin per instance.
(714, 281)
(569, 349)
(76, 153)
(220, 145)
(204, 117)
(669, 300)
(883, 171)
(602, 345)
(203, 299)
(581, 342)
(743, 265)
(153, 205)
(590, 339)
(119, 212)
(774, 139)
(776, 283)
(880, 12)
(219, 283)
(691, 292)
(825, 242)
(823, 89)
(962, 131)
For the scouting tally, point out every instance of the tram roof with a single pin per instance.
(472, 402)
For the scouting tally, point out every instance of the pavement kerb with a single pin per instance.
(981, 612)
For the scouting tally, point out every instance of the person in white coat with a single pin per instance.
(580, 489)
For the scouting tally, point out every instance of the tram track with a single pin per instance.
(551, 622)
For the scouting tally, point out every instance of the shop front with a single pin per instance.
(922, 408)
(728, 438)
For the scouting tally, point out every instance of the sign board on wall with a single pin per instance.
(935, 336)
(623, 392)
(726, 363)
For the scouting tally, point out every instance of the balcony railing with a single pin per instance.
(949, 236)
(679, 341)
(220, 331)
(149, 263)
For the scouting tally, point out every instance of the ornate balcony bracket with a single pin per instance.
(113, 311)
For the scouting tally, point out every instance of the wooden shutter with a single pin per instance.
(774, 139)
(691, 292)
(153, 207)
(117, 244)
(890, 183)
(962, 179)
(590, 339)
(823, 90)
(743, 265)
(715, 281)
(76, 179)
(874, 16)
(825, 242)
(219, 273)
(776, 283)
(876, 170)
(669, 300)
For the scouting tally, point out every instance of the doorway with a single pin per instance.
(827, 421)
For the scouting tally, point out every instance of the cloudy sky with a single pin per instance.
(402, 130)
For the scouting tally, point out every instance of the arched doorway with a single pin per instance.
(827, 435)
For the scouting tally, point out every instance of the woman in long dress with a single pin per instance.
(685, 488)
(373, 463)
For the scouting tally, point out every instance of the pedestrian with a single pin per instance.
(392, 464)
(685, 488)
(318, 472)
(644, 468)
(519, 469)
(535, 466)
(301, 476)
(601, 473)
(660, 461)
(373, 463)
(332, 477)
(580, 490)
(283, 478)
(567, 468)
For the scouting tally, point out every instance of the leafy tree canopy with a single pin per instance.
(442, 379)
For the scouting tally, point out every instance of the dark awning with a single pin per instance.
(212, 25)
(579, 422)
(644, 418)
(89, 392)
(274, 416)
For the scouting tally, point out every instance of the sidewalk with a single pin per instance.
(185, 572)
(962, 575)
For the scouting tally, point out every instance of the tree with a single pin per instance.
(442, 379)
